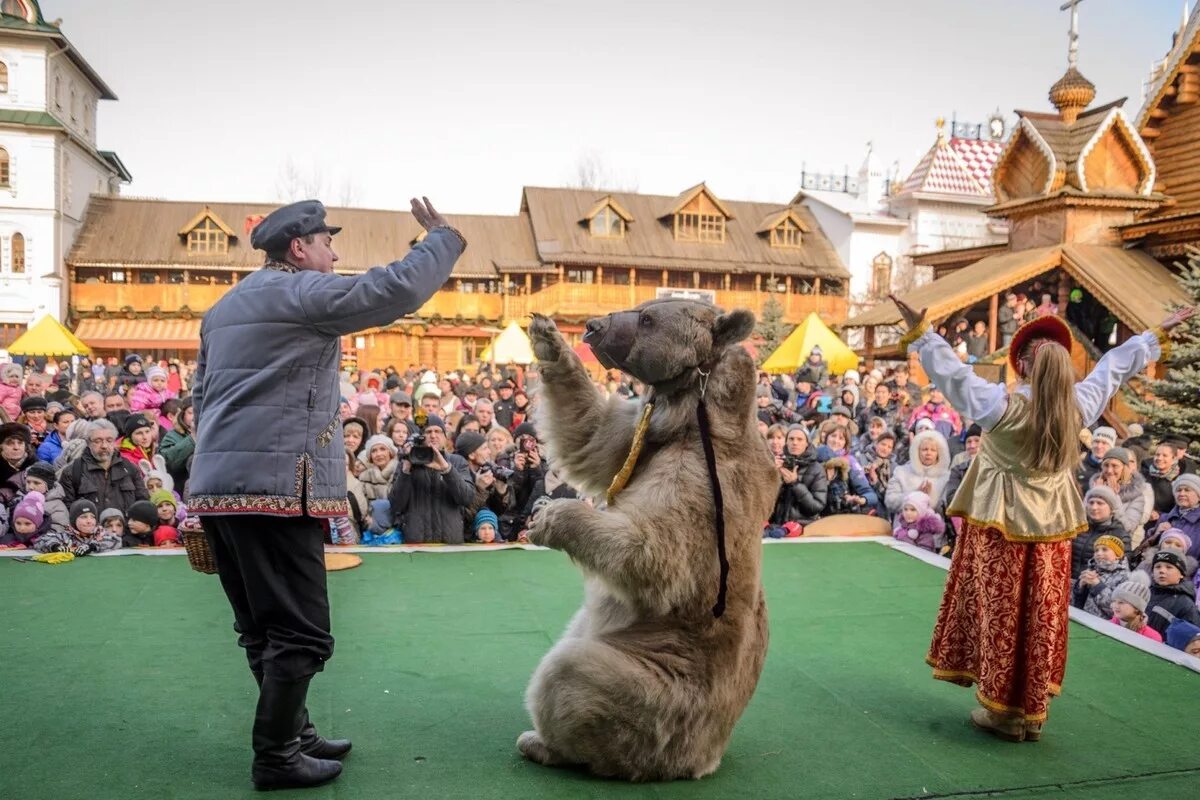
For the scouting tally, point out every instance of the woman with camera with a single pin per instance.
(802, 495)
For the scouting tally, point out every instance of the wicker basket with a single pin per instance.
(199, 554)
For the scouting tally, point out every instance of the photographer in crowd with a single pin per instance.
(489, 479)
(431, 489)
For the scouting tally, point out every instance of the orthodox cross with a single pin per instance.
(1073, 49)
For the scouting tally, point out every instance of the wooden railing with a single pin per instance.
(560, 299)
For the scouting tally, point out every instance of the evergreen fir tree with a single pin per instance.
(1174, 404)
(771, 328)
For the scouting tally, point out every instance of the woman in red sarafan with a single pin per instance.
(1002, 625)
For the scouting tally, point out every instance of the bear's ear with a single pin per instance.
(732, 328)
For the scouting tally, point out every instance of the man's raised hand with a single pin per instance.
(424, 213)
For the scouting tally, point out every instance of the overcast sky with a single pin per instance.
(468, 100)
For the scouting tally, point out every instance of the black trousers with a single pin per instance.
(273, 572)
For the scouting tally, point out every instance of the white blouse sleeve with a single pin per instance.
(1114, 369)
(969, 394)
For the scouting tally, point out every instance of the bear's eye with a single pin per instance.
(645, 321)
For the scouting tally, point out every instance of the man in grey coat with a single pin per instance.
(269, 462)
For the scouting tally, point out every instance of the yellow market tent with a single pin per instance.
(512, 346)
(794, 351)
(47, 337)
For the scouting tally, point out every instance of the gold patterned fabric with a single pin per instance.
(999, 492)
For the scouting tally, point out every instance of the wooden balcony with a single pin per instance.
(168, 297)
(573, 300)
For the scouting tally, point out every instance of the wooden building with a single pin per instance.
(143, 272)
(1076, 188)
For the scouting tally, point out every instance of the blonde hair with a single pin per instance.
(1052, 381)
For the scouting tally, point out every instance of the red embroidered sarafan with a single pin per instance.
(1003, 621)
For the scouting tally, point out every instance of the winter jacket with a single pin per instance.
(69, 540)
(7, 473)
(1178, 600)
(1133, 497)
(10, 399)
(1083, 544)
(119, 486)
(266, 390)
(957, 473)
(1164, 495)
(1145, 630)
(50, 448)
(927, 532)
(176, 448)
(428, 505)
(128, 379)
(1188, 522)
(855, 478)
(909, 477)
(804, 500)
(54, 510)
(360, 506)
(134, 454)
(945, 419)
(144, 397)
(1088, 469)
(1097, 600)
(376, 482)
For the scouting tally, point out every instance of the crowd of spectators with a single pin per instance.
(96, 458)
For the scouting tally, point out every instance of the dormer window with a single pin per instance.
(785, 234)
(607, 219)
(206, 234)
(699, 217)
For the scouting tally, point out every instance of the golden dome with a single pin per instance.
(1071, 94)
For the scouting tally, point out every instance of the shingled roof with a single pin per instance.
(649, 241)
(956, 166)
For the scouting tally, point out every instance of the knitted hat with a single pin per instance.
(486, 515)
(111, 513)
(164, 478)
(1135, 590)
(1189, 480)
(1105, 433)
(762, 390)
(34, 404)
(1119, 454)
(164, 534)
(43, 470)
(79, 508)
(974, 430)
(135, 423)
(468, 442)
(1176, 533)
(15, 430)
(1169, 555)
(1112, 543)
(132, 357)
(1181, 633)
(434, 421)
(161, 496)
(32, 507)
(155, 371)
(851, 376)
(919, 501)
(525, 429)
(1135, 430)
(923, 424)
(143, 511)
(10, 369)
(379, 439)
(1108, 496)
(368, 399)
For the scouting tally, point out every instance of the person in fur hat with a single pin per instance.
(33, 416)
(1170, 591)
(11, 392)
(15, 451)
(83, 537)
(1103, 517)
(1129, 606)
(1093, 589)
(148, 398)
(917, 523)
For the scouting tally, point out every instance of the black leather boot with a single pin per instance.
(278, 761)
(311, 742)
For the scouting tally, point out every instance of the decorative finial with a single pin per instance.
(941, 130)
(1073, 40)
(1072, 93)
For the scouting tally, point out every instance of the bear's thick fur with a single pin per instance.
(646, 684)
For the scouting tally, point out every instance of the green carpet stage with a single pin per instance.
(121, 680)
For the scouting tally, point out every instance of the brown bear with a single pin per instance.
(651, 674)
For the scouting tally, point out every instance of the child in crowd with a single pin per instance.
(1170, 591)
(28, 523)
(148, 397)
(141, 440)
(1096, 586)
(1103, 517)
(487, 526)
(113, 521)
(83, 537)
(1129, 606)
(11, 392)
(917, 523)
(139, 528)
(41, 477)
(837, 474)
(1184, 636)
(166, 531)
(1171, 539)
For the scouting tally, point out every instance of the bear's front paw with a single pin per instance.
(552, 523)
(548, 344)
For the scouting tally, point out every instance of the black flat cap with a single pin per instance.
(290, 222)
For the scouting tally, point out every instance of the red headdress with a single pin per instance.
(1045, 327)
